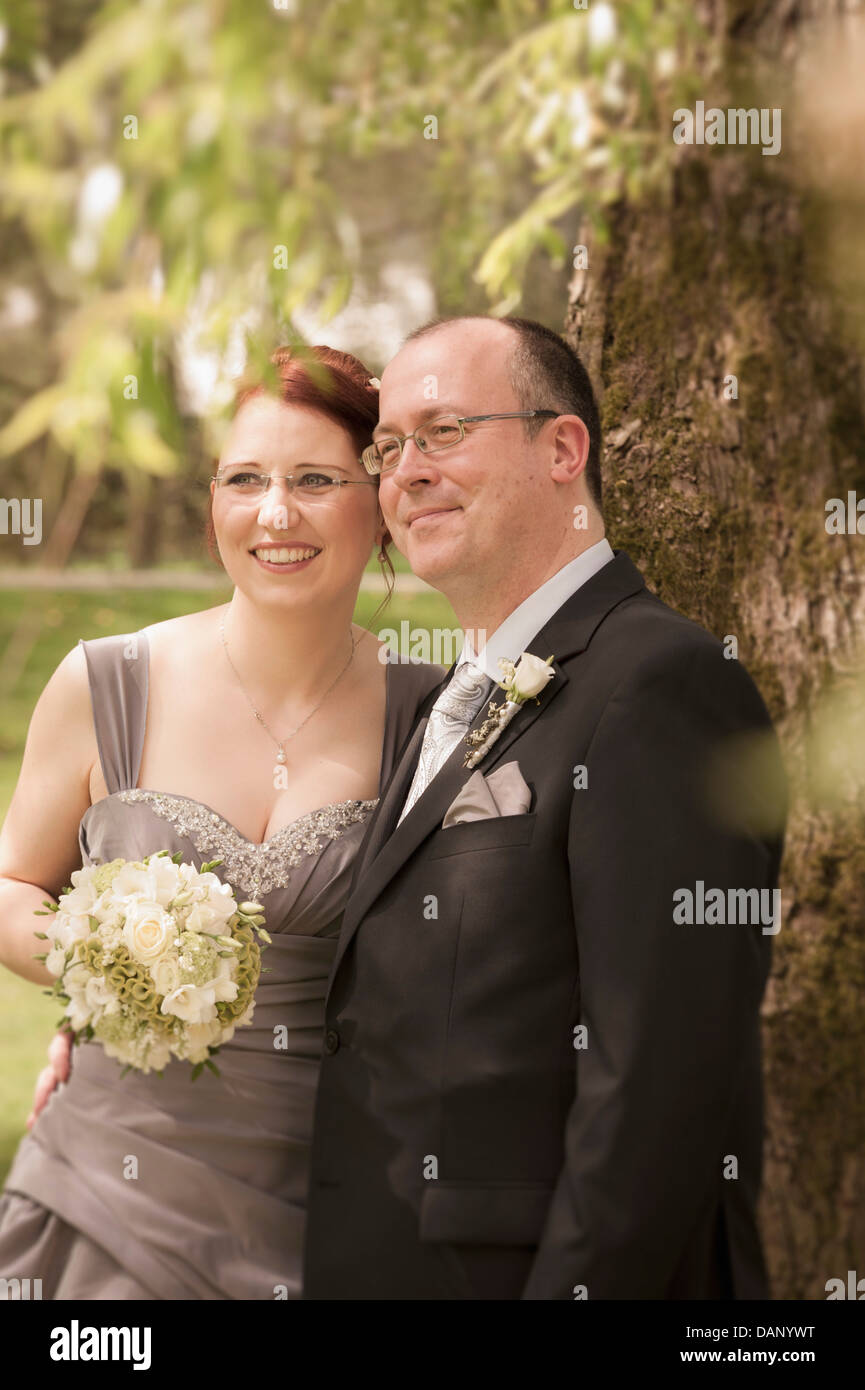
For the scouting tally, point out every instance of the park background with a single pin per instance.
(185, 184)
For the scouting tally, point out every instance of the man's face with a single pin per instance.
(473, 507)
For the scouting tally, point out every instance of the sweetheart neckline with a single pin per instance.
(254, 844)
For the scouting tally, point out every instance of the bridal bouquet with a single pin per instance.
(154, 959)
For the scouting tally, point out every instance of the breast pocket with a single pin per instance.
(496, 832)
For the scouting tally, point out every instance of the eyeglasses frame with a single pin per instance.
(462, 420)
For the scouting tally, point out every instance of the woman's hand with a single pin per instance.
(57, 1070)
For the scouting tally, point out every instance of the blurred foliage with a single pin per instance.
(182, 163)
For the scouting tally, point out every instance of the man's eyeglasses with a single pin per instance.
(250, 484)
(432, 436)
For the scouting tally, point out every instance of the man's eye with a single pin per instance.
(387, 447)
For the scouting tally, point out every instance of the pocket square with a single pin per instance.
(503, 792)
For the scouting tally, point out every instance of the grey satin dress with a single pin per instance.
(149, 1187)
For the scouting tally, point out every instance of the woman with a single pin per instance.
(261, 732)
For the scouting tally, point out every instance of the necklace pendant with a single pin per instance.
(280, 757)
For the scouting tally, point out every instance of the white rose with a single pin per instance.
(192, 1003)
(148, 931)
(166, 974)
(531, 675)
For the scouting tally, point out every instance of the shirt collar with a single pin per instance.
(512, 636)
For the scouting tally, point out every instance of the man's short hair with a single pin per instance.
(546, 374)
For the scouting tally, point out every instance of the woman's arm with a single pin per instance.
(39, 839)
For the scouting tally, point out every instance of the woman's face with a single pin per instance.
(253, 533)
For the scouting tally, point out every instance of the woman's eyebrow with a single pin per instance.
(253, 463)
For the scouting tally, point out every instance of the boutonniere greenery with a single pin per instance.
(523, 681)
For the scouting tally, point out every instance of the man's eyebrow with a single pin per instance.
(429, 412)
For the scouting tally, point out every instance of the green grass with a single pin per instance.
(56, 619)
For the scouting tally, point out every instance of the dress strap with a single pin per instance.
(117, 668)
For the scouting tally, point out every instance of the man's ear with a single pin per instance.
(571, 444)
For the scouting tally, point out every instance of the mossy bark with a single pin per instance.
(721, 502)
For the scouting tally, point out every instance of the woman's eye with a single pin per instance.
(240, 479)
(320, 480)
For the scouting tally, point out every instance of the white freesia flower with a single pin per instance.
(82, 895)
(157, 882)
(211, 893)
(75, 981)
(148, 932)
(192, 1003)
(99, 998)
(55, 960)
(202, 918)
(70, 928)
(223, 982)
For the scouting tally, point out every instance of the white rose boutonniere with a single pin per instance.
(522, 681)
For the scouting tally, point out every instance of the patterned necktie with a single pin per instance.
(450, 719)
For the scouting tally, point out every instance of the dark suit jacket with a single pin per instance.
(464, 1147)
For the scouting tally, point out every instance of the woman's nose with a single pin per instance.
(278, 508)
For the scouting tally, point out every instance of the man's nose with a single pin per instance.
(414, 466)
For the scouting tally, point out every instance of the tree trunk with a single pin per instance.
(721, 502)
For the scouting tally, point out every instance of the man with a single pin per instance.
(541, 1077)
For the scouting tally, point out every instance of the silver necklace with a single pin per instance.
(280, 743)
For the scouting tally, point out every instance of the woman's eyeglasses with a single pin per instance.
(249, 484)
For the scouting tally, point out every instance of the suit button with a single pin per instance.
(331, 1041)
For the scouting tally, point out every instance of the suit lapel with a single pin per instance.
(389, 845)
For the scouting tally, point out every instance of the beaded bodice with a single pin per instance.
(251, 869)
